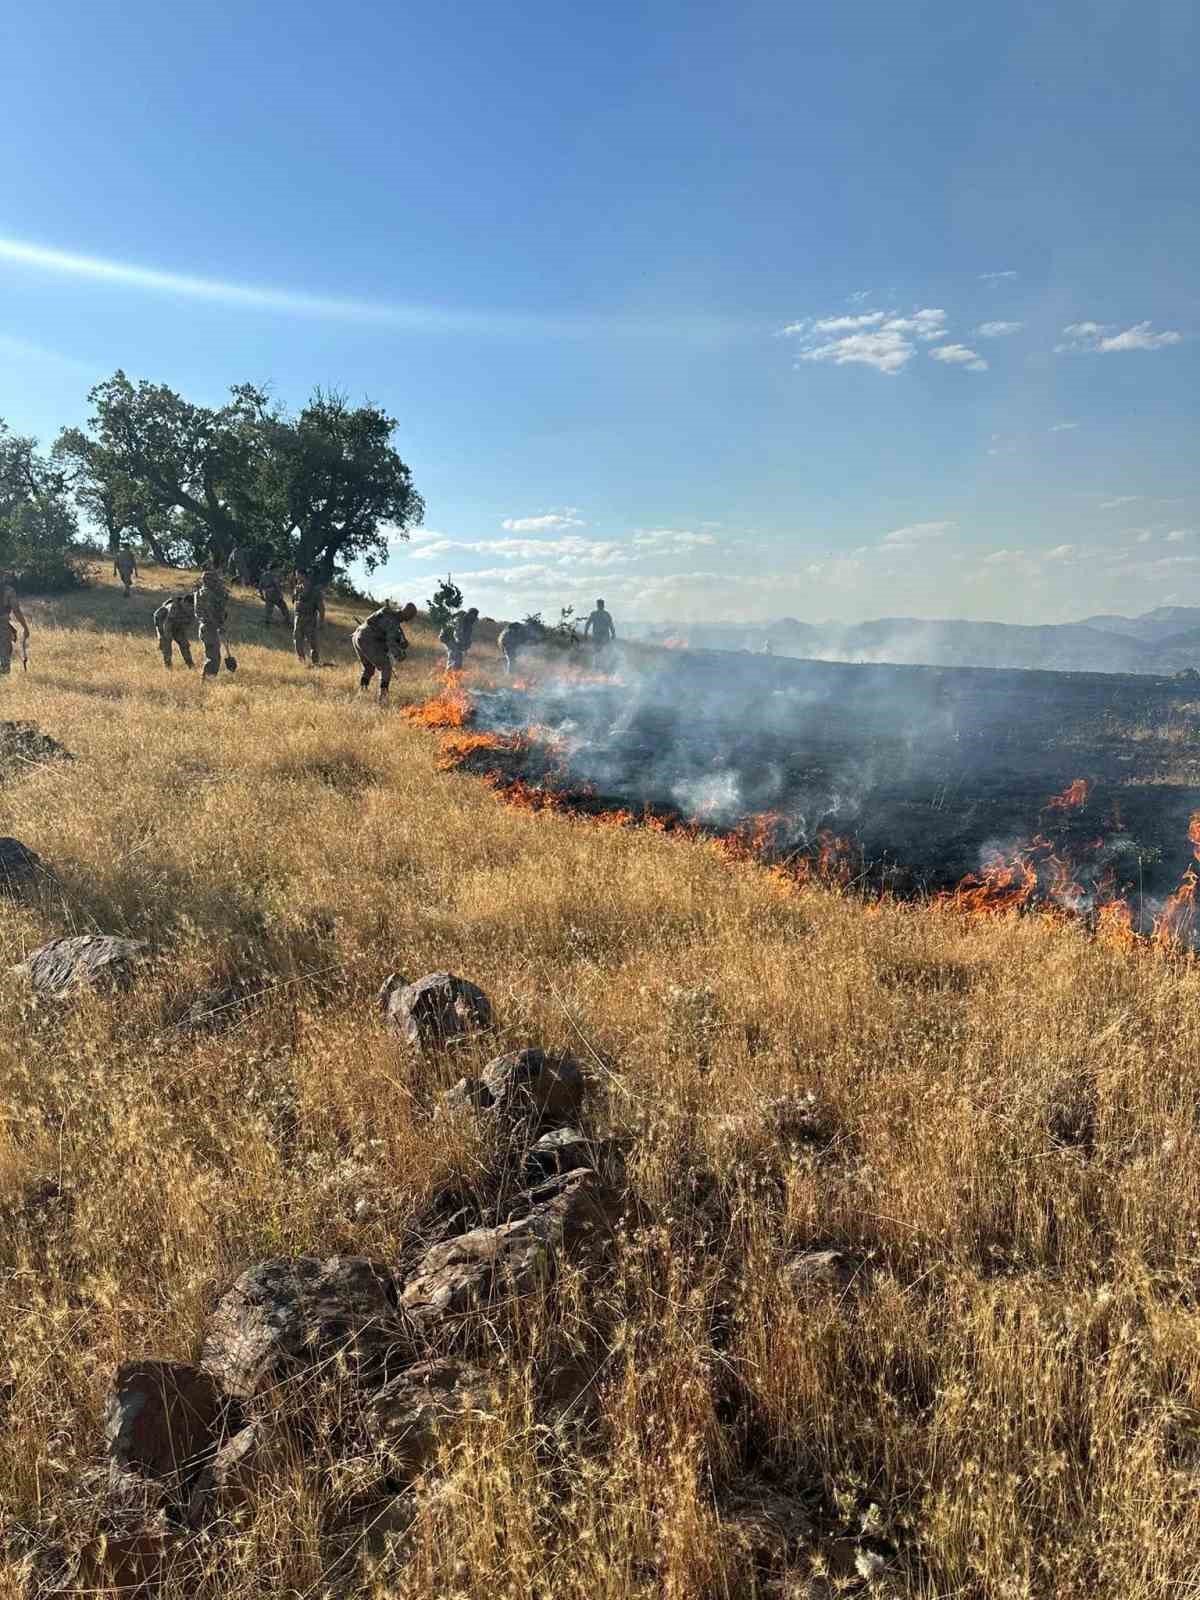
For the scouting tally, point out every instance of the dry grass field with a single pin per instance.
(994, 1120)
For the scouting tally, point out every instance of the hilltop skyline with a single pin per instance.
(717, 316)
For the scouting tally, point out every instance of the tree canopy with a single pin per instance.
(38, 527)
(317, 489)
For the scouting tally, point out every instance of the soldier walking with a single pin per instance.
(212, 607)
(377, 640)
(458, 636)
(309, 598)
(599, 626)
(239, 567)
(518, 636)
(9, 608)
(173, 624)
(270, 586)
(125, 567)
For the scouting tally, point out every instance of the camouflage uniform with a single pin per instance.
(375, 642)
(238, 566)
(8, 634)
(212, 605)
(125, 567)
(517, 636)
(457, 636)
(173, 625)
(271, 589)
(310, 614)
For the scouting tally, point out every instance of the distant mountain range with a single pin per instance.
(1166, 640)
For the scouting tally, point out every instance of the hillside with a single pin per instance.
(897, 1287)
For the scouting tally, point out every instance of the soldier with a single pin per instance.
(9, 608)
(125, 567)
(212, 606)
(239, 566)
(377, 640)
(309, 598)
(518, 636)
(600, 627)
(270, 586)
(457, 636)
(173, 624)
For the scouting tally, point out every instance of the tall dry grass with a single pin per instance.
(1002, 1127)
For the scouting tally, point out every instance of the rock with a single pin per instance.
(771, 1527)
(285, 1315)
(87, 960)
(530, 1084)
(24, 745)
(476, 1269)
(559, 1151)
(416, 1412)
(163, 1421)
(822, 1269)
(467, 1095)
(225, 1484)
(437, 1010)
(19, 867)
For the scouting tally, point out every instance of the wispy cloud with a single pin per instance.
(1180, 535)
(998, 330)
(883, 340)
(26, 351)
(1100, 338)
(916, 533)
(546, 522)
(995, 277)
(960, 356)
(1063, 427)
(668, 540)
(1120, 500)
(859, 295)
(412, 317)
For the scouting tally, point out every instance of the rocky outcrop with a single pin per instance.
(20, 867)
(291, 1314)
(435, 1011)
(407, 1421)
(163, 1421)
(83, 961)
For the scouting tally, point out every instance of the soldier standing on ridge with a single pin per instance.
(309, 599)
(270, 586)
(600, 627)
(458, 637)
(377, 640)
(212, 607)
(173, 625)
(9, 608)
(125, 567)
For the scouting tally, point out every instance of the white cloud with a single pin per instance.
(878, 339)
(995, 277)
(1062, 552)
(999, 558)
(998, 330)
(859, 296)
(1120, 500)
(672, 539)
(1063, 427)
(1099, 338)
(547, 522)
(960, 355)
(916, 533)
(1145, 536)
(1179, 535)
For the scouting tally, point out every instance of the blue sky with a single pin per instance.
(716, 310)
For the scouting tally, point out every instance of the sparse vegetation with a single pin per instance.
(993, 1121)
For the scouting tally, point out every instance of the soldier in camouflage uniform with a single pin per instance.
(125, 568)
(518, 636)
(9, 608)
(239, 566)
(173, 624)
(377, 640)
(212, 606)
(309, 600)
(270, 586)
(458, 636)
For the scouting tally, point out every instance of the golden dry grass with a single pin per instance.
(1008, 1135)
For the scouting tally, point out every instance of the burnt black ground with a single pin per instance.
(926, 770)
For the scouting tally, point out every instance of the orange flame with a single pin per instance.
(452, 708)
(1073, 797)
(1176, 922)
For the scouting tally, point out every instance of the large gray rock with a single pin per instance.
(19, 867)
(84, 960)
(416, 1412)
(558, 1151)
(437, 1010)
(163, 1420)
(290, 1314)
(477, 1269)
(531, 1084)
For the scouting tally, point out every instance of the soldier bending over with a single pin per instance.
(377, 640)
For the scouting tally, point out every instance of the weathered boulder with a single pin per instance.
(225, 1484)
(19, 867)
(287, 1315)
(163, 1421)
(479, 1268)
(407, 1420)
(558, 1151)
(814, 1270)
(437, 1010)
(531, 1084)
(84, 960)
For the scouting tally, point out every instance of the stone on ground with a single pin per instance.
(437, 1010)
(84, 960)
